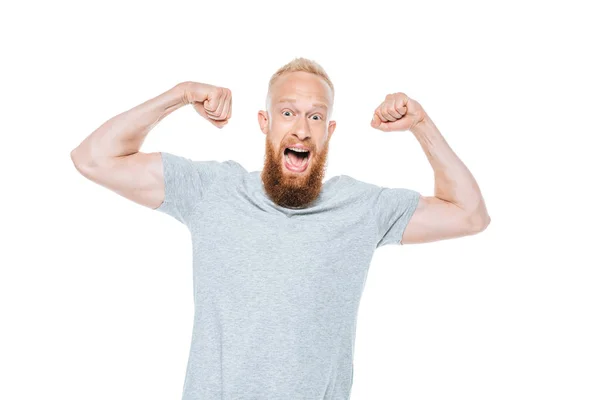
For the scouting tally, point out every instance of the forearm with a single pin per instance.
(453, 180)
(124, 133)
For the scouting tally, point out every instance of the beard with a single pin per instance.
(289, 188)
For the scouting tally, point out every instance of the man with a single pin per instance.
(280, 257)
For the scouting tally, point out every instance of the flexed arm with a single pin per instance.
(110, 155)
(457, 207)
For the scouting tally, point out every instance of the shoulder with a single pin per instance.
(221, 169)
(378, 195)
(199, 174)
(356, 186)
(351, 191)
(221, 173)
(230, 167)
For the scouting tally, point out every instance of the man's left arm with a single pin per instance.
(457, 207)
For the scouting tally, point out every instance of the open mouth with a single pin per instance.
(296, 159)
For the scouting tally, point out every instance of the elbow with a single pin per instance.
(74, 156)
(478, 222)
(477, 218)
(81, 164)
(76, 160)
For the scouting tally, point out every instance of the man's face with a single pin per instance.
(298, 116)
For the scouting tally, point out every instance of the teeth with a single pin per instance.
(298, 149)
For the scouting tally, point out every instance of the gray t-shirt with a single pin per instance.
(276, 290)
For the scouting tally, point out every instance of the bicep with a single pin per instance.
(163, 181)
(137, 177)
(436, 219)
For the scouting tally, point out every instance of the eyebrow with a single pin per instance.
(288, 100)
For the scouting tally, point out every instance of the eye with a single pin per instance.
(286, 112)
(317, 115)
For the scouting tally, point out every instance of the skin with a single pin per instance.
(289, 123)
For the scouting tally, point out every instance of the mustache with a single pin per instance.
(309, 146)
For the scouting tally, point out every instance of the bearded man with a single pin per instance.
(280, 257)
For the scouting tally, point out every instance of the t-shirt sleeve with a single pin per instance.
(187, 182)
(392, 209)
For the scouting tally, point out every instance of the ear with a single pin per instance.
(263, 121)
(331, 128)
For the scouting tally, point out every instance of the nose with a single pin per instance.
(302, 129)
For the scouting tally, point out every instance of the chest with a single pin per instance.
(295, 254)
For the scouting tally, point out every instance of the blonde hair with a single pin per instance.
(301, 64)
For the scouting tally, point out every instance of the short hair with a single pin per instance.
(301, 64)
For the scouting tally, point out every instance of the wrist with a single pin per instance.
(423, 126)
(181, 90)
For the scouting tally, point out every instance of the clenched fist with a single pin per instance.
(212, 102)
(397, 112)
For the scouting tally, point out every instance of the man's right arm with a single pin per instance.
(110, 155)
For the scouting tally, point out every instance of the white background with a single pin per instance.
(96, 291)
